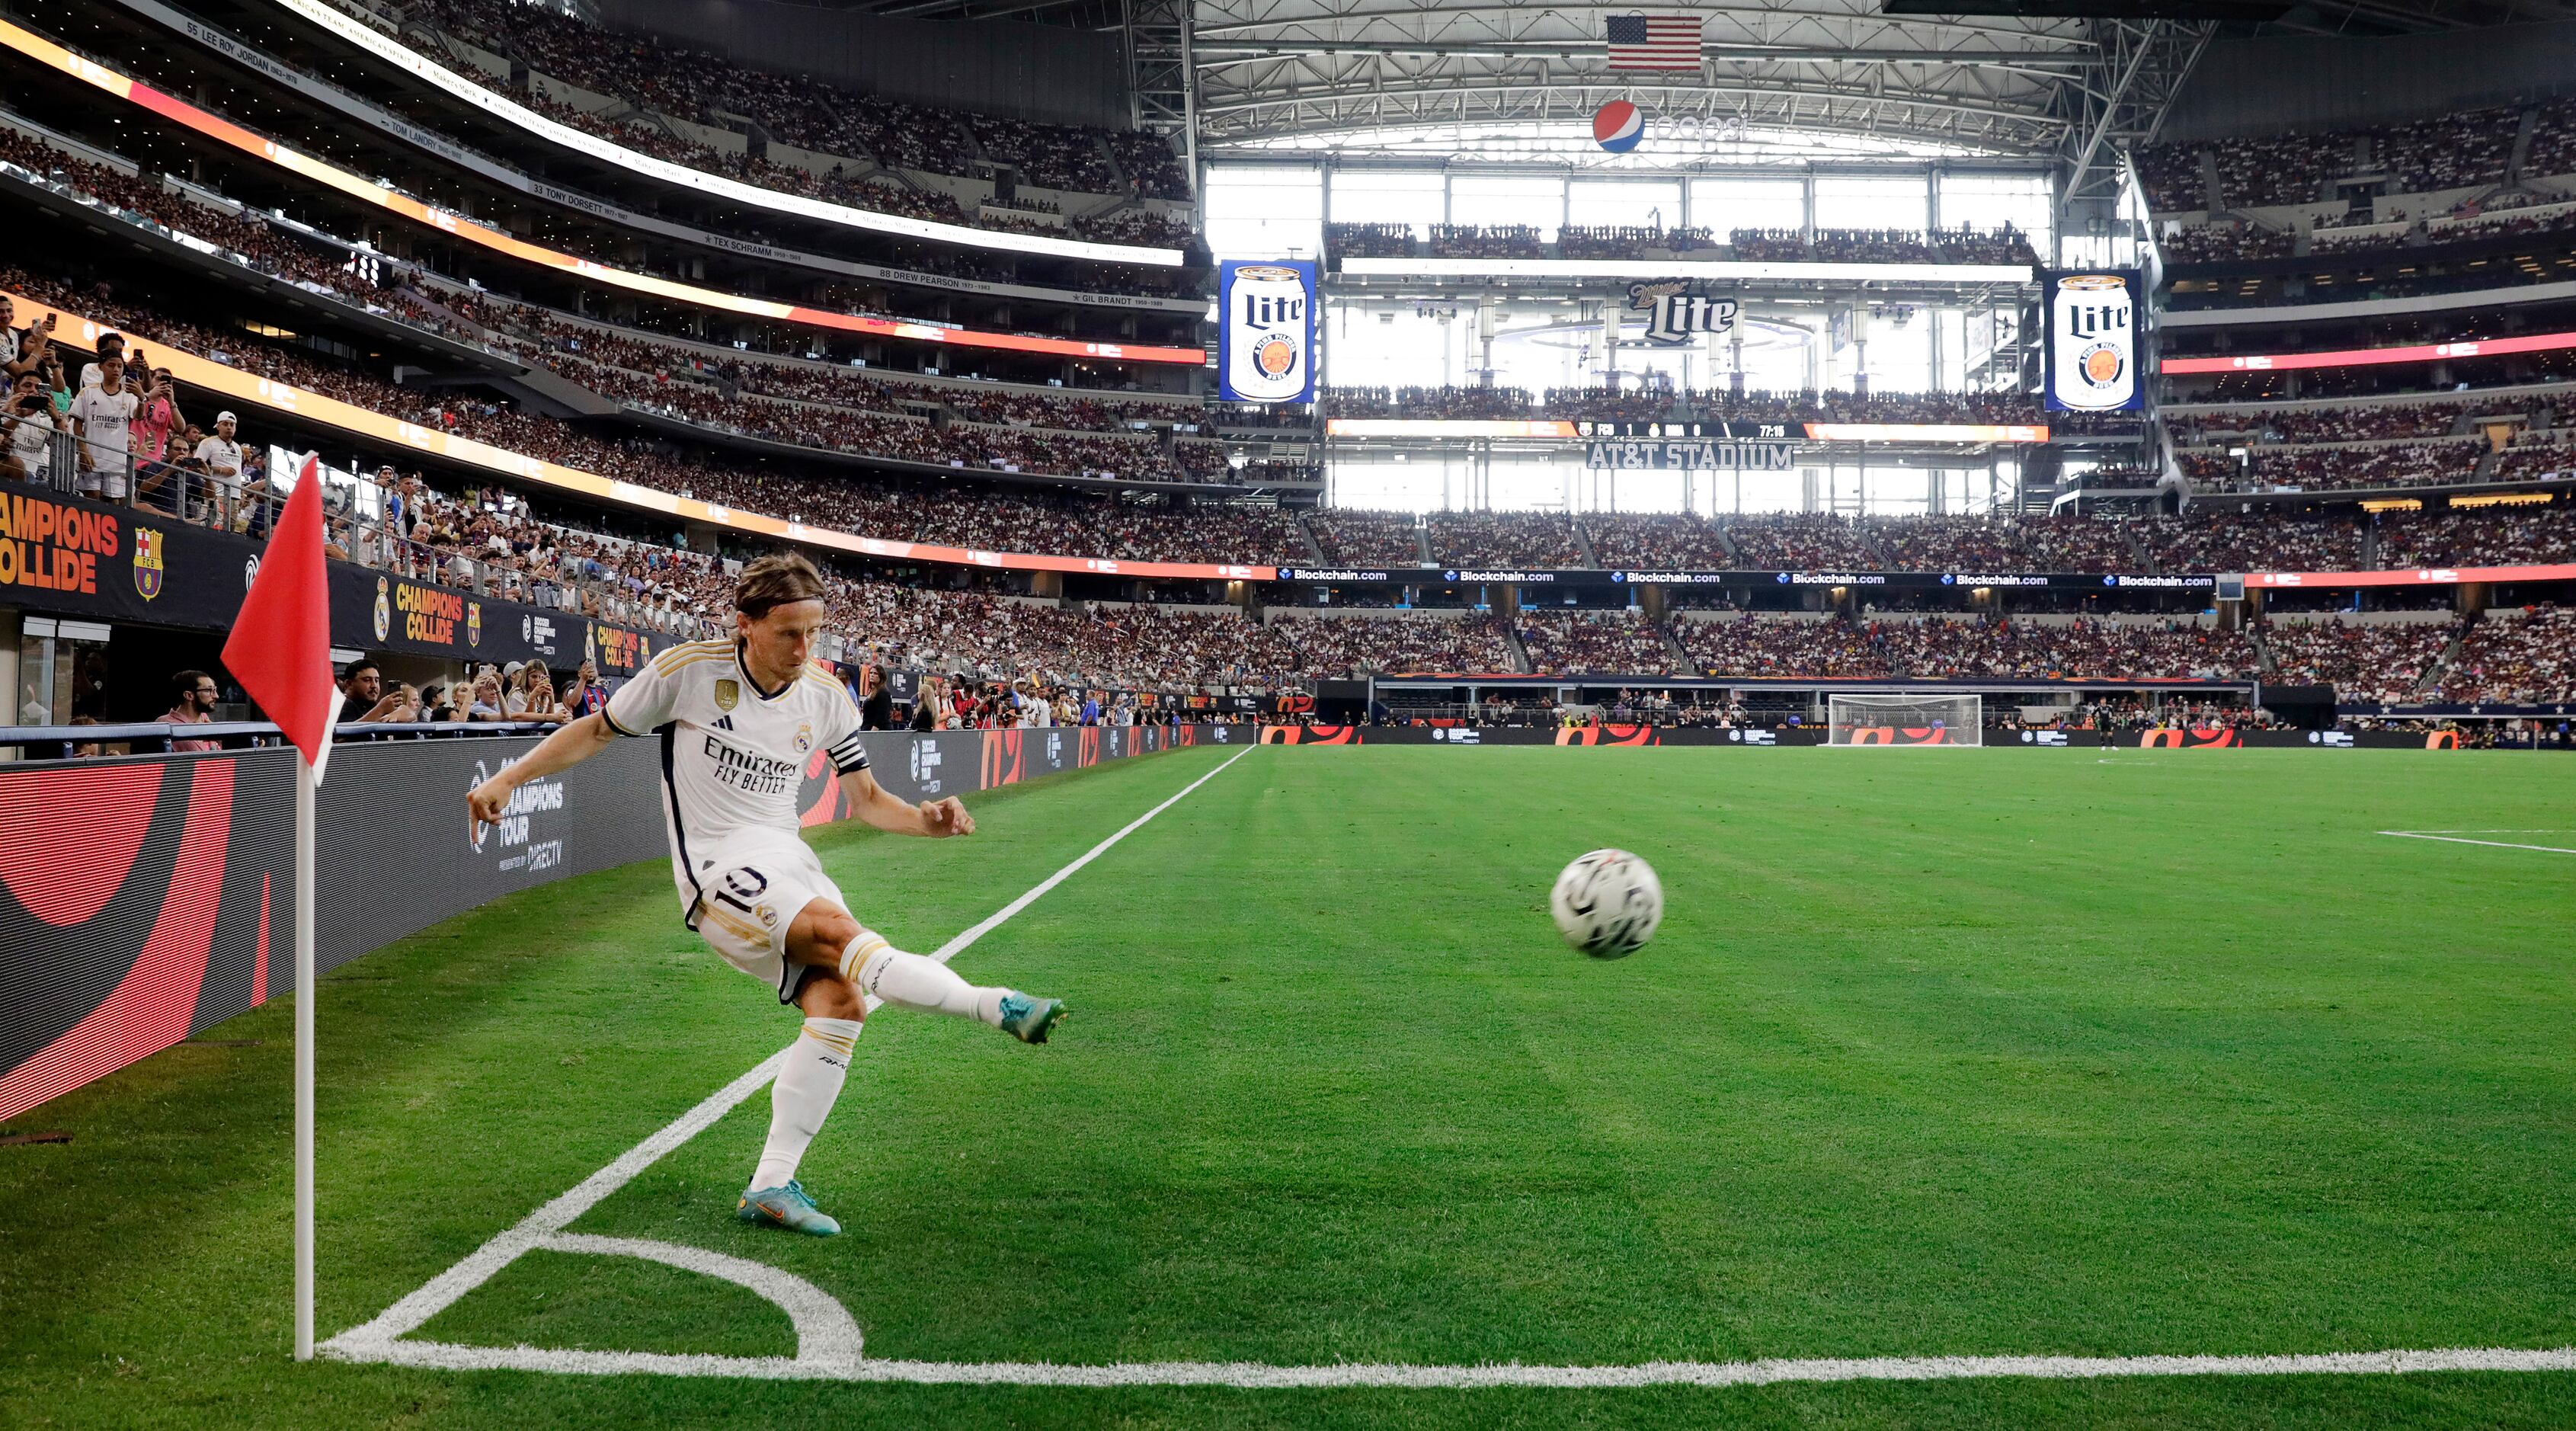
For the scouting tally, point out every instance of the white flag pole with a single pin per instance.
(305, 989)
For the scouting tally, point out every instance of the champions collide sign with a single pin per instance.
(2093, 342)
(1266, 331)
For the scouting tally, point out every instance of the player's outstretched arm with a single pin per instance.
(569, 746)
(872, 803)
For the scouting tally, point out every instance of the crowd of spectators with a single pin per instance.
(1884, 648)
(2250, 541)
(2374, 422)
(1352, 537)
(803, 111)
(1682, 541)
(1632, 241)
(1331, 647)
(2459, 150)
(2527, 657)
(1568, 643)
(2496, 536)
(2319, 469)
(1801, 541)
(1347, 240)
(2365, 661)
(2225, 242)
(1485, 241)
(1504, 539)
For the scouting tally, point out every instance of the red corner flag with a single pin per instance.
(280, 649)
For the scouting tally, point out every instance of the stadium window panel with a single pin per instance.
(1724, 205)
(1845, 202)
(1612, 204)
(1264, 212)
(1387, 197)
(1486, 199)
(1411, 351)
(1990, 201)
(1900, 357)
(1379, 484)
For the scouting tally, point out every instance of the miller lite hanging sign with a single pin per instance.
(1677, 311)
(1266, 331)
(2093, 342)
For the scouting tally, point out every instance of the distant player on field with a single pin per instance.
(737, 720)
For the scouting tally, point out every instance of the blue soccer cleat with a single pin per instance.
(786, 1207)
(1028, 1019)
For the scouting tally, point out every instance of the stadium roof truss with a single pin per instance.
(1267, 75)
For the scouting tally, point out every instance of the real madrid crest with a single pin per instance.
(728, 694)
(384, 607)
(804, 736)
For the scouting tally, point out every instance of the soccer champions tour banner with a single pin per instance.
(70, 556)
(144, 899)
(1266, 331)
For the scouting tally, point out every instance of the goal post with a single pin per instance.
(1875, 719)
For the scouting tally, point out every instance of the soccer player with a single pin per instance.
(737, 720)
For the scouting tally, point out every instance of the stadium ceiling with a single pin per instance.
(1296, 73)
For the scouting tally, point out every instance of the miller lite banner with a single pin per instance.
(2093, 340)
(1677, 312)
(1266, 331)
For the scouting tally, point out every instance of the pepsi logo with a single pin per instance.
(1618, 125)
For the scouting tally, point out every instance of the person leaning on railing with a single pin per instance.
(29, 419)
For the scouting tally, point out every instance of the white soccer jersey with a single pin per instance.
(733, 755)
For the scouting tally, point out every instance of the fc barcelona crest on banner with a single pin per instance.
(149, 548)
(474, 623)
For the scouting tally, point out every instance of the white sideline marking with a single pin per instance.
(2454, 837)
(829, 1344)
(1257, 1376)
(373, 1341)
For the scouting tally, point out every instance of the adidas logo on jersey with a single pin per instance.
(724, 722)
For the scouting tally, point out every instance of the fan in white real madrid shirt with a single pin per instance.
(737, 721)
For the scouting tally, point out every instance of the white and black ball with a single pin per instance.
(1607, 904)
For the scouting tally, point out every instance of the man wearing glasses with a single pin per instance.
(196, 706)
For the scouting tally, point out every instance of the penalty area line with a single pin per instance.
(374, 1340)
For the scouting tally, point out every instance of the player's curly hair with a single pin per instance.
(776, 580)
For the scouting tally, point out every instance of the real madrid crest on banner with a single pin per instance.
(384, 612)
(149, 549)
(1678, 310)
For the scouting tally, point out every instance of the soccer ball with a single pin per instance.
(1607, 904)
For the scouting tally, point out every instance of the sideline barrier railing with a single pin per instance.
(362, 518)
(141, 897)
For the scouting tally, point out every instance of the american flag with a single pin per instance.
(1654, 42)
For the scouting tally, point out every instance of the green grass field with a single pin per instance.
(1972, 1053)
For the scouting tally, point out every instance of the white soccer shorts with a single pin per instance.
(744, 914)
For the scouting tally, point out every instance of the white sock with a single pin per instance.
(817, 1063)
(909, 981)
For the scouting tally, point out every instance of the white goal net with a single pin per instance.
(1905, 720)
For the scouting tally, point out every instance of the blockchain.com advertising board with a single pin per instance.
(1266, 330)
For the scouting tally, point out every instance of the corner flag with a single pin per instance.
(280, 649)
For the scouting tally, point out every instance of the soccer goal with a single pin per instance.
(1905, 720)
